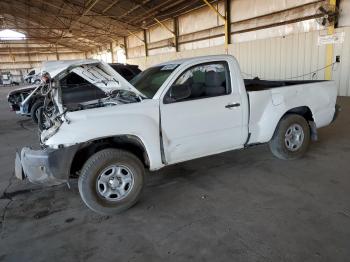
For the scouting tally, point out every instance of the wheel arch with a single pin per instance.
(303, 111)
(130, 143)
(307, 114)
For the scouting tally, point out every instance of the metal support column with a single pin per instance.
(145, 41)
(57, 56)
(176, 35)
(228, 20)
(126, 47)
(112, 52)
(227, 35)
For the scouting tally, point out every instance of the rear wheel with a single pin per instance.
(35, 110)
(111, 181)
(291, 138)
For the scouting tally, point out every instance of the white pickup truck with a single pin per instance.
(170, 113)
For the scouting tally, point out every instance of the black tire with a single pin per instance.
(91, 172)
(35, 110)
(278, 143)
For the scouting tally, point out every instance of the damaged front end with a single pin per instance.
(81, 86)
(47, 166)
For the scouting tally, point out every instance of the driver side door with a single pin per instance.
(201, 113)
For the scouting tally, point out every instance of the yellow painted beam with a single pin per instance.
(139, 38)
(214, 9)
(164, 26)
(329, 49)
(223, 18)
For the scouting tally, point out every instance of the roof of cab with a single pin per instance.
(197, 58)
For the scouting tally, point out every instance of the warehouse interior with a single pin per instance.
(149, 32)
(242, 205)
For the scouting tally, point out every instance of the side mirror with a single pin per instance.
(179, 92)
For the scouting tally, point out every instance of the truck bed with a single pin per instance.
(259, 85)
(269, 100)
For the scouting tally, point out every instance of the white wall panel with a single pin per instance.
(163, 50)
(200, 19)
(261, 7)
(286, 57)
(135, 45)
(344, 19)
(343, 70)
(158, 32)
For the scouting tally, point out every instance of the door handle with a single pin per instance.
(233, 105)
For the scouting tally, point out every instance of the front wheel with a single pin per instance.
(291, 138)
(111, 181)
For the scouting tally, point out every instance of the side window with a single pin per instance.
(200, 81)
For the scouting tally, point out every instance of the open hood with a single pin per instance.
(94, 71)
(99, 74)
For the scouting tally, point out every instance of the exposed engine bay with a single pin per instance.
(81, 88)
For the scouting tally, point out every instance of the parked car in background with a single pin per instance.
(36, 79)
(127, 71)
(32, 105)
(6, 78)
(17, 96)
(33, 76)
(170, 113)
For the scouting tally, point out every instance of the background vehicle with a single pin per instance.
(32, 106)
(126, 70)
(6, 78)
(172, 112)
(32, 76)
(17, 96)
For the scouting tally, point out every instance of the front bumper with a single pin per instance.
(48, 166)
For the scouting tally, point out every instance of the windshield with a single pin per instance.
(149, 81)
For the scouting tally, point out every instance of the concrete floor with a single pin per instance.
(238, 206)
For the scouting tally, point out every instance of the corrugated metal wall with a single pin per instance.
(344, 8)
(281, 57)
(341, 72)
(203, 28)
(294, 57)
(279, 51)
